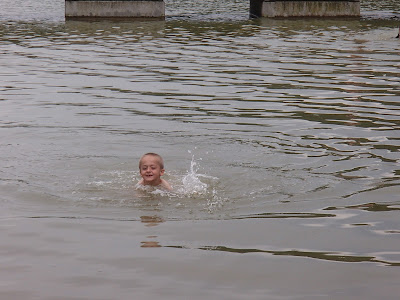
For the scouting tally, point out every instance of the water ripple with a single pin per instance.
(328, 256)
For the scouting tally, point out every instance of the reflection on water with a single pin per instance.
(151, 221)
(329, 256)
(377, 207)
(285, 215)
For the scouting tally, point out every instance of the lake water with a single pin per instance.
(280, 137)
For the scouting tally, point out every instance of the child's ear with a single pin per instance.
(162, 171)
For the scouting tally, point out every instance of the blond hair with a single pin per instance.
(160, 159)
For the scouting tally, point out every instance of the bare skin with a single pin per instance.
(151, 169)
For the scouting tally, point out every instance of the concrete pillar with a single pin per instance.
(305, 8)
(256, 8)
(114, 9)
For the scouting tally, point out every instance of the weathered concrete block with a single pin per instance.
(115, 9)
(310, 8)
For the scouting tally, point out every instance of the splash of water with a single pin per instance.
(200, 186)
(192, 185)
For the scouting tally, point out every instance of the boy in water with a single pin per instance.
(151, 167)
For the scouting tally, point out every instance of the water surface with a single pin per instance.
(280, 138)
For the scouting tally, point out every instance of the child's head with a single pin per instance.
(154, 156)
(151, 167)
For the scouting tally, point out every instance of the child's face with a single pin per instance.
(150, 170)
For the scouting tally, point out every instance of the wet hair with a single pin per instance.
(160, 159)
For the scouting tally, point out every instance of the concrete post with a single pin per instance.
(305, 8)
(114, 9)
(256, 8)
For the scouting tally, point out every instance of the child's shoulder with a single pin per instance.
(166, 185)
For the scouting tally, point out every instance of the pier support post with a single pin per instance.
(305, 8)
(114, 9)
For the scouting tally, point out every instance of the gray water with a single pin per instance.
(280, 137)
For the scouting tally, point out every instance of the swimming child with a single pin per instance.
(151, 167)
